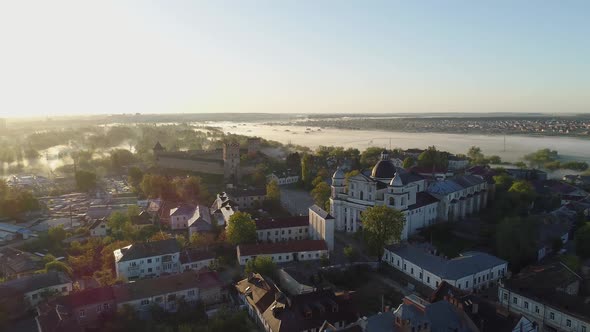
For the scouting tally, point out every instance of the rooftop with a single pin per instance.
(467, 263)
(167, 284)
(148, 249)
(33, 282)
(321, 212)
(297, 221)
(195, 255)
(282, 247)
(260, 292)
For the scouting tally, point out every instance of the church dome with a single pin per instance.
(384, 169)
(339, 174)
(396, 181)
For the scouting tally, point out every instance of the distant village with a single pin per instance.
(252, 236)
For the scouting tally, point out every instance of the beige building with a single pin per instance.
(283, 252)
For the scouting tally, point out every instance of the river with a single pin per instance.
(515, 147)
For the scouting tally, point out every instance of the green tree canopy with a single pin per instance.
(433, 158)
(321, 195)
(541, 157)
(85, 180)
(382, 225)
(241, 228)
(273, 192)
(263, 265)
(475, 155)
(516, 241)
(409, 162)
(370, 156)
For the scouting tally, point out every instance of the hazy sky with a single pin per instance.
(69, 57)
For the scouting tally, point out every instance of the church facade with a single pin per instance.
(387, 184)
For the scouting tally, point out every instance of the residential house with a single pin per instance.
(246, 198)
(457, 163)
(22, 294)
(549, 295)
(168, 290)
(283, 179)
(566, 192)
(142, 220)
(553, 226)
(282, 252)
(417, 314)
(283, 229)
(471, 270)
(257, 293)
(222, 209)
(99, 228)
(147, 259)
(180, 215)
(527, 174)
(15, 263)
(84, 309)
(309, 312)
(200, 221)
(196, 259)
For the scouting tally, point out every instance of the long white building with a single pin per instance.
(422, 203)
(470, 270)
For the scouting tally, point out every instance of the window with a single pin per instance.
(150, 270)
(317, 255)
(158, 299)
(428, 279)
(526, 305)
(411, 270)
(404, 266)
(157, 259)
(537, 309)
(149, 261)
(583, 328)
(420, 275)
(280, 257)
(276, 232)
(289, 231)
(568, 323)
(437, 284)
(34, 296)
(552, 316)
(466, 284)
(99, 308)
(300, 231)
(145, 302)
(191, 292)
(82, 313)
(106, 306)
(515, 300)
(282, 232)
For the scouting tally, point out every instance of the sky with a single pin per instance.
(106, 57)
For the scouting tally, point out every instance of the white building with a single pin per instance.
(283, 179)
(470, 270)
(456, 163)
(99, 228)
(460, 196)
(548, 295)
(319, 225)
(246, 198)
(193, 259)
(180, 215)
(283, 252)
(201, 221)
(385, 185)
(147, 259)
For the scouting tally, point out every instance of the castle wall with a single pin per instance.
(201, 166)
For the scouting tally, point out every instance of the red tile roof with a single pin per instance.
(88, 297)
(283, 222)
(282, 247)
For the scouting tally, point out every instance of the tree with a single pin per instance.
(475, 155)
(241, 228)
(121, 158)
(409, 162)
(157, 186)
(350, 253)
(134, 176)
(85, 180)
(273, 192)
(321, 195)
(190, 189)
(503, 182)
(541, 157)
(495, 159)
(293, 162)
(516, 241)
(432, 158)
(523, 189)
(263, 265)
(582, 238)
(382, 225)
(58, 266)
(371, 156)
(306, 169)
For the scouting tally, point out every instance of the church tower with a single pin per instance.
(338, 183)
(231, 162)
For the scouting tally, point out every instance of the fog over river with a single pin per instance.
(516, 146)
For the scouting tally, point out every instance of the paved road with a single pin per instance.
(296, 201)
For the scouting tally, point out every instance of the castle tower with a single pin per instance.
(231, 162)
(158, 148)
(338, 179)
(253, 146)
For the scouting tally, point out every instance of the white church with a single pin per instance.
(422, 202)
